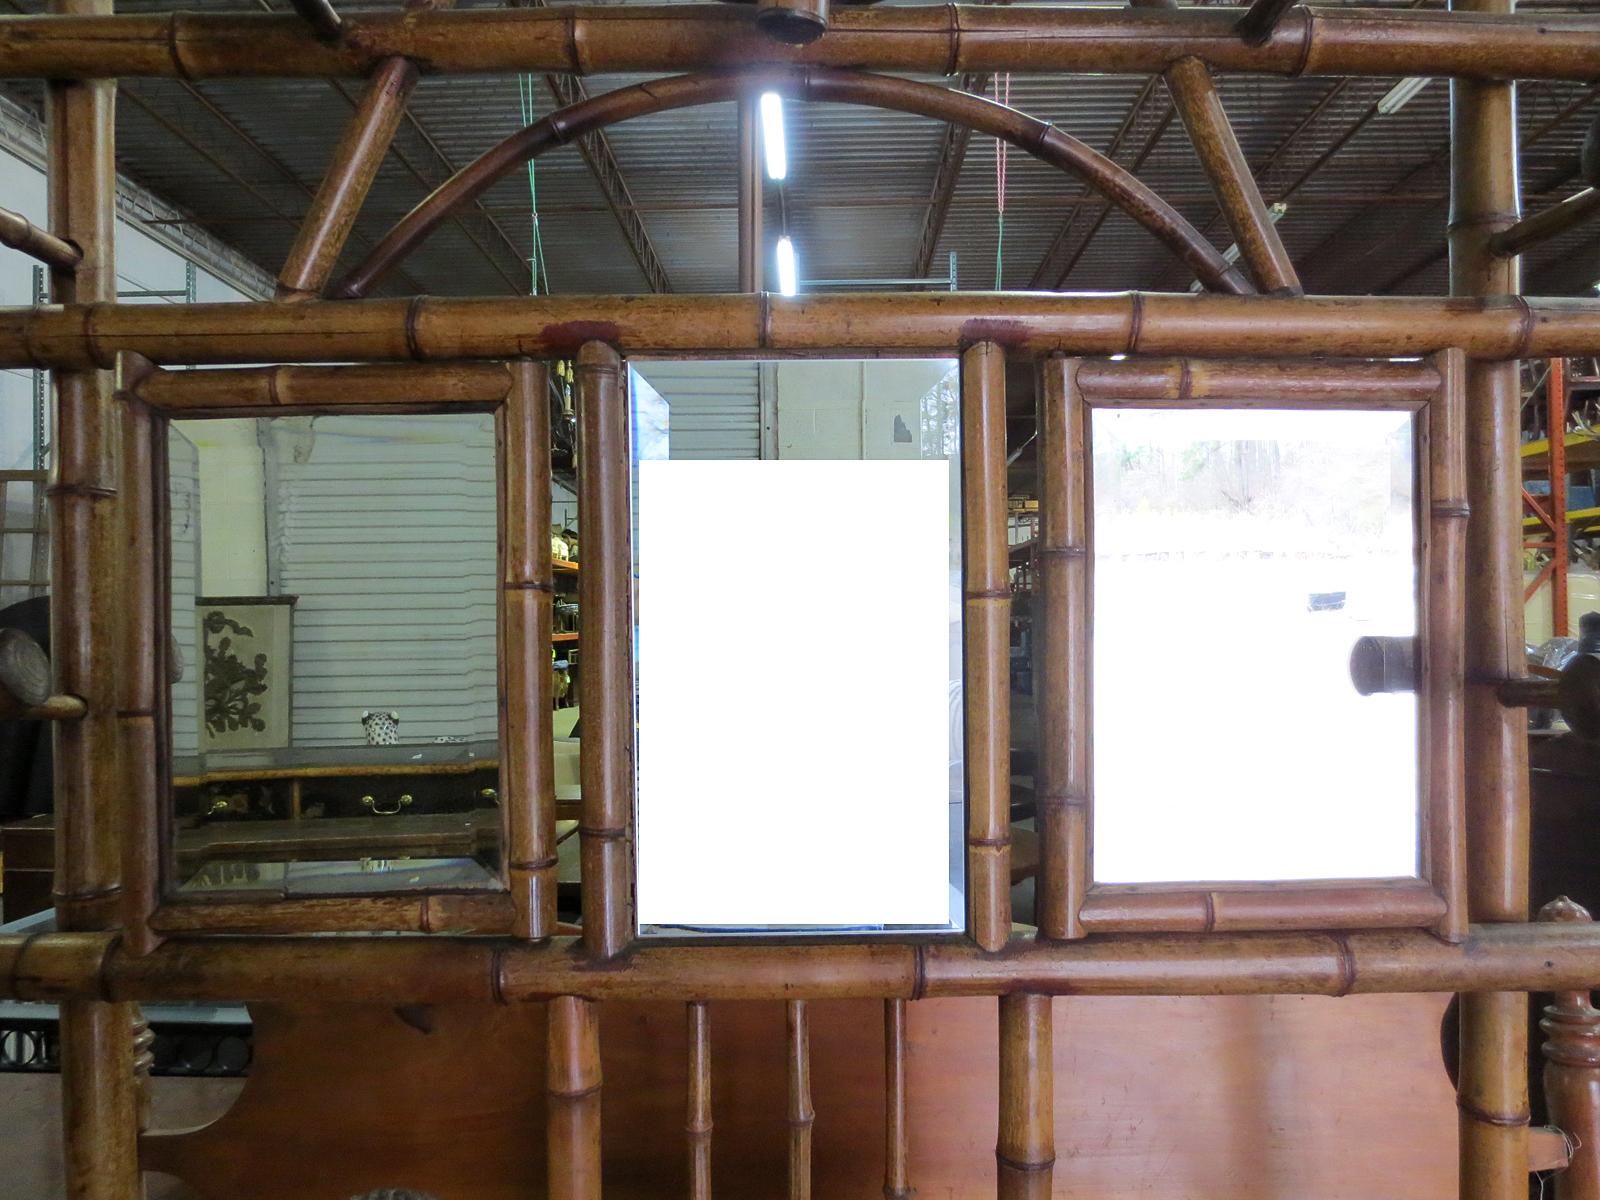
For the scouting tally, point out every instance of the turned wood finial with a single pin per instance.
(1564, 908)
(24, 668)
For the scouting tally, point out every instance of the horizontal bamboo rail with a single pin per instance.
(1161, 323)
(1029, 134)
(945, 39)
(22, 234)
(382, 969)
(257, 391)
(1167, 381)
(1134, 908)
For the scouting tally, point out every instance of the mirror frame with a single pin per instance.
(1071, 903)
(516, 393)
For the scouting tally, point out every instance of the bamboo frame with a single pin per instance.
(1025, 1151)
(802, 1115)
(986, 621)
(698, 1119)
(573, 1120)
(379, 969)
(1542, 226)
(1436, 899)
(1492, 1088)
(425, 329)
(945, 40)
(896, 1134)
(605, 685)
(1029, 134)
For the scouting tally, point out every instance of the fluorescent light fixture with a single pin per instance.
(788, 273)
(772, 135)
(1401, 94)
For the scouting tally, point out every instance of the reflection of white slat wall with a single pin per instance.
(183, 466)
(715, 406)
(389, 543)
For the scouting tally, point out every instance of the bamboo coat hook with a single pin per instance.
(25, 688)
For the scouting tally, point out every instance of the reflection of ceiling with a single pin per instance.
(1365, 191)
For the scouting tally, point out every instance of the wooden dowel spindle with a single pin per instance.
(987, 695)
(605, 683)
(1571, 1026)
(802, 1116)
(896, 1149)
(698, 1120)
(527, 785)
(573, 1120)
(1025, 1153)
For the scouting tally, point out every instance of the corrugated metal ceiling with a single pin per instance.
(243, 157)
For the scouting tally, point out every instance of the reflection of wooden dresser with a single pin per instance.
(29, 848)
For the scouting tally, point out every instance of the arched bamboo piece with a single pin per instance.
(933, 39)
(22, 234)
(1195, 97)
(1571, 1026)
(605, 685)
(911, 324)
(1025, 1152)
(896, 1131)
(527, 783)
(1062, 682)
(987, 613)
(573, 1118)
(802, 1115)
(1492, 1091)
(698, 1119)
(1029, 134)
(1171, 382)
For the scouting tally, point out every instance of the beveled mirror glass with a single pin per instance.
(335, 723)
(799, 646)
(1237, 557)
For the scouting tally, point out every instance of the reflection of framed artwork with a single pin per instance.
(246, 644)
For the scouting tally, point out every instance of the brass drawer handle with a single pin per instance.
(372, 803)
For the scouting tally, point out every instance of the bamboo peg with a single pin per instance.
(802, 1116)
(1062, 685)
(987, 695)
(527, 770)
(573, 1121)
(1025, 1153)
(897, 1150)
(1571, 1026)
(22, 234)
(605, 685)
(698, 1122)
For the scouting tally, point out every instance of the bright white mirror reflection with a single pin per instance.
(1238, 555)
(772, 137)
(798, 647)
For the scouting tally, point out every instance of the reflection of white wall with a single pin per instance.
(184, 508)
(233, 522)
(861, 409)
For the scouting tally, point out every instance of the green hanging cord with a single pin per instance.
(536, 262)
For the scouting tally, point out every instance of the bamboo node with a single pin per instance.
(1484, 1117)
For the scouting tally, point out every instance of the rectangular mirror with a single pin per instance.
(797, 543)
(1237, 557)
(335, 718)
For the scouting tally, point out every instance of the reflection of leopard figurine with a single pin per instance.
(382, 728)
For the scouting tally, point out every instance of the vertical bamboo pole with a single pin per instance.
(1194, 95)
(1443, 680)
(698, 1121)
(573, 1120)
(896, 1147)
(750, 197)
(801, 1114)
(1062, 638)
(1556, 419)
(1492, 1093)
(988, 644)
(1025, 1153)
(527, 769)
(1571, 1027)
(99, 1100)
(138, 681)
(605, 684)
